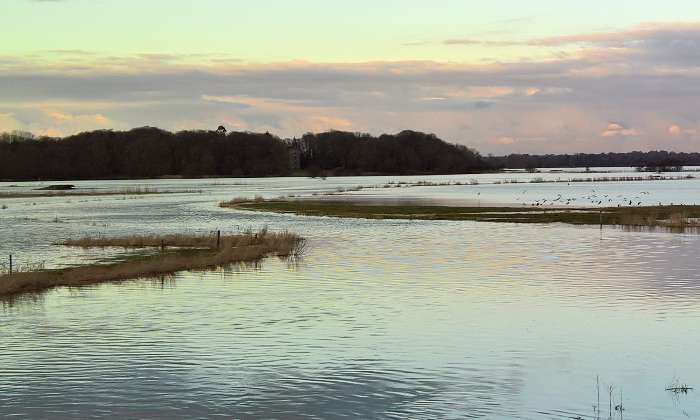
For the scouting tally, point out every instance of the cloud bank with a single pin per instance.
(608, 91)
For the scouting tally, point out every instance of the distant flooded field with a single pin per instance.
(380, 319)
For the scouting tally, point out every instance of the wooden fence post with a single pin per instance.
(10, 263)
(218, 238)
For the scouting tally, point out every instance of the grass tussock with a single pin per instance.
(241, 200)
(199, 252)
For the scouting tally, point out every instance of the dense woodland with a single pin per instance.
(151, 152)
(654, 160)
(408, 152)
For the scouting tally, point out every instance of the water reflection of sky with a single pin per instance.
(417, 319)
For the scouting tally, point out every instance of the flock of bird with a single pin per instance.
(594, 198)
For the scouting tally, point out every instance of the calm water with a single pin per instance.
(381, 319)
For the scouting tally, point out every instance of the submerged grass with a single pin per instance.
(71, 192)
(197, 252)
(475, 182)
(653, 216)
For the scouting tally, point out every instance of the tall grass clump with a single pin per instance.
(241, 200)
(192, 253)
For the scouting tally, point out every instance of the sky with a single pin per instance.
(501, 76)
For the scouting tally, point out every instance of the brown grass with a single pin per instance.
(233, 249)
(144, 241)
(676, 218)
(240, 200)
(636, 218)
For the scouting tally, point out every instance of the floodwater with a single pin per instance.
(381, 318)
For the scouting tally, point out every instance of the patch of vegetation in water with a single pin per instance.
(178, 253)
(647, 216)
(57, 187)
(73, 192)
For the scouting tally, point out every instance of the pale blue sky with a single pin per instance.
(315, 30)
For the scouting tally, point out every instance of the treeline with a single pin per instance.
(151, 152)
(643, 160)
(143, 153)
(408, 152)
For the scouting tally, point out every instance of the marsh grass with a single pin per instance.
(57, 187)
(193, 253)
(675, 218)
(241, 200)
(476, 182)
(144, 241)
(21, 267)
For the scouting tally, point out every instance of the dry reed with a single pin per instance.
(200, 253)
(240, 200)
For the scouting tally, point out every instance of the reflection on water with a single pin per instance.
(381, 319)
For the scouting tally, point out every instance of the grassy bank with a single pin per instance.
(191, 253)
(676, 217)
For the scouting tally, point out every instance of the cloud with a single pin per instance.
(648, 77)
(279, 114)
(8, 122)
(667, 32)
(230, 100)
(489, 92)
(676, 131)
(54, 122)
(63, 118)
(482, 42)
(324, 122)
(619, 130)
(503, 140)
(658, 43)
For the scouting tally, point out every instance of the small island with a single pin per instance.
(174, 253)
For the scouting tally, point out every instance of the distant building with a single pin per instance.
(294, 154)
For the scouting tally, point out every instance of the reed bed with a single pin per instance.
(144, 241)
(240, 200)
(196, 253)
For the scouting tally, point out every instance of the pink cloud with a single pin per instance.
(676, 130)
(619, 130)
(643, 31)
(504, 140)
